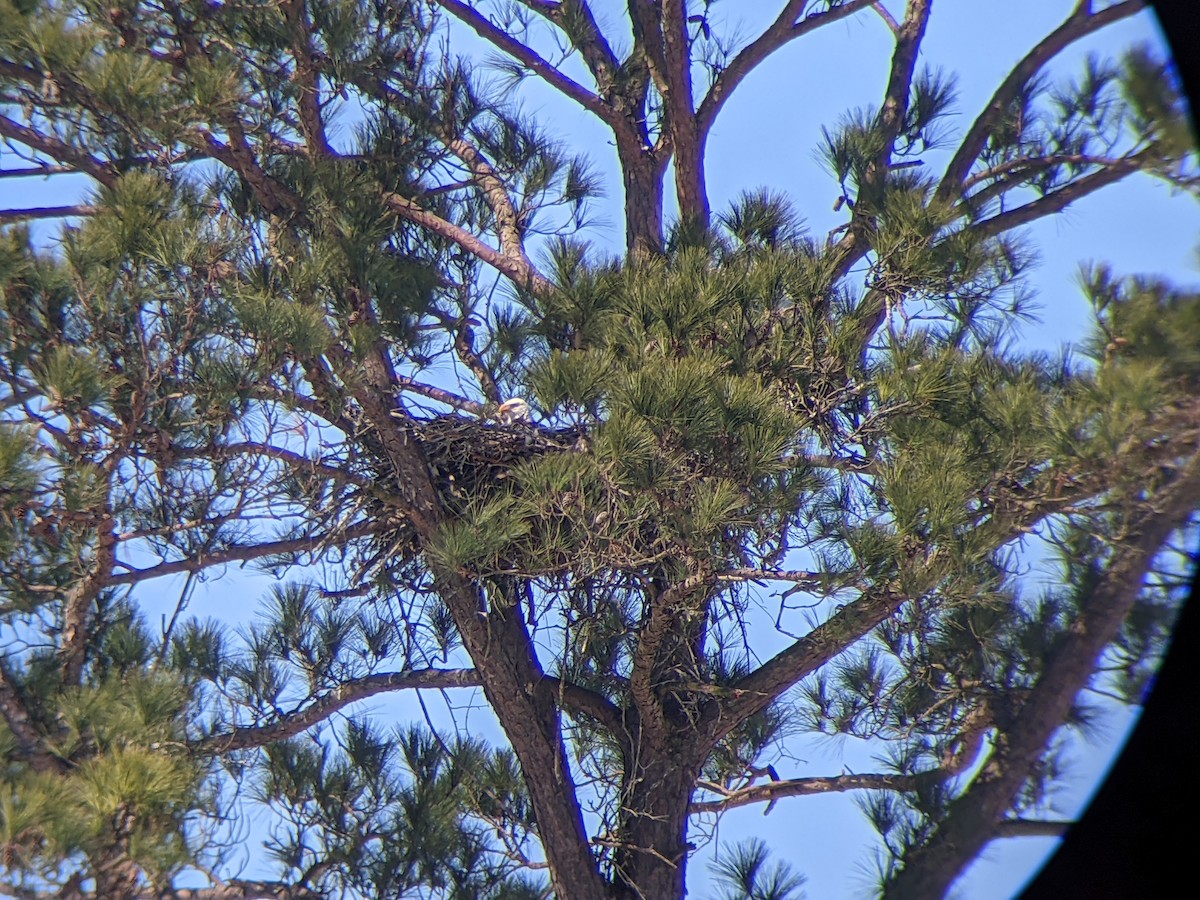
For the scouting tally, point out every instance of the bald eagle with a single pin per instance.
(513, 411)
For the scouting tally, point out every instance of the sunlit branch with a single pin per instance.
(440, 395)
(1012, 828)
(796, 576)
(79, 599)
(518, 268)
(798, 787)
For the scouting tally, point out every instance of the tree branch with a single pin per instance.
(518, 268)
(798, 787)
(530, 59)
(325, 706)
(454, 401)
(79, 600)
(8, 216)
(665, 614)
(757, 690)
(782, 31)
(30, 745)
(589, 40)
(58, 150)
(1080, 23)
(243, 553)
(1058, 200)
(308, 76)
(853, 245)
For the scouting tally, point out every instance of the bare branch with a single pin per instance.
(45, 212)
(1010, 828)
(530, 59)
(848, 624)
(507, 223)
(783, 30)
(325, 706)
(454, 401)
(798, 787)
(1058, 200)
(887, 17)
(853, 245)
(244, 552)
(37, 171)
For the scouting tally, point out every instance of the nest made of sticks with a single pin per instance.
(469, 458)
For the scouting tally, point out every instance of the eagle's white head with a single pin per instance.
(514, 411)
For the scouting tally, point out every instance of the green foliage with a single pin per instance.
(384, 835)
(746, 875)
(242, 351)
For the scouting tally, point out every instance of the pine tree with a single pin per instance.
(235, 353)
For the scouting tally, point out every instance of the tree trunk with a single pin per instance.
(643, 177)
(652, 858)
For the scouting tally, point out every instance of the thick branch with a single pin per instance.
(25, 733)
(504, 212)
(578, 699)
(312, 121)
(1080, 23)
(850, 623)
(667, 611)
(454, 401)
(58, 150)
(517, 267)
(687, 139)
(588, 39)
(76, 627)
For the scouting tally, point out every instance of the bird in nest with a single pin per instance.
(514, 411)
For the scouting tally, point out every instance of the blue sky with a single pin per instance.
(766, 137)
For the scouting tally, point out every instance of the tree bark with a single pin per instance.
(651, 860)
(642, 173)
